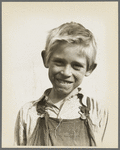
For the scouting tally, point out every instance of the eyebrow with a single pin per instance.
(57, 58)
(79, 63)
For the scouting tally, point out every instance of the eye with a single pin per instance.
(58, 62)
(77, 66)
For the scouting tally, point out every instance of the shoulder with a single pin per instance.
(95, 102)
(98, 115)
(99, 112)
(98, 108)
(28, 109)
(24, 111)
(30, 105)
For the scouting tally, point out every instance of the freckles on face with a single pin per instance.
(67, 68)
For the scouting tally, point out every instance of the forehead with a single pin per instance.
(68, 49)
(69, 52)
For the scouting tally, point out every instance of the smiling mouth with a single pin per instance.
(64, 81)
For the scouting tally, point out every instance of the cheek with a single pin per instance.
(53, 70)
(79, 76)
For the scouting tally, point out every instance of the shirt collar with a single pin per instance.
(74, 92)
(47, 92)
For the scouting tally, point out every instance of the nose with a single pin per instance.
(67, 71)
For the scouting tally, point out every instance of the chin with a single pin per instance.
(63, 92)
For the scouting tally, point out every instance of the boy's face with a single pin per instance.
(67, 67)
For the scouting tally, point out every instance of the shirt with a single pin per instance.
(76, 105)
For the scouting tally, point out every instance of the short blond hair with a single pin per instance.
(73, 33)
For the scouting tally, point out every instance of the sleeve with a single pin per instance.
(99, 116)
(20, 130)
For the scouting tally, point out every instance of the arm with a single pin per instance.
(99, 117)
(20, 130)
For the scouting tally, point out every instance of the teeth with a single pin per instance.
(63, 82)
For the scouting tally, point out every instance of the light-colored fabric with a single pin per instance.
(28, 116)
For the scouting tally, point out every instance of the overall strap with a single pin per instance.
(85, 110)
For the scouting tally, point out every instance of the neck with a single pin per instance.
(56, 96)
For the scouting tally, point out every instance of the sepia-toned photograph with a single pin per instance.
(60, 74)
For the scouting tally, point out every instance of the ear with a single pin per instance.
(91, 70)
(43, 53)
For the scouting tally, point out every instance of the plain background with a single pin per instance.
(25, 26)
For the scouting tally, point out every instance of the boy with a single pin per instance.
(64, 115)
